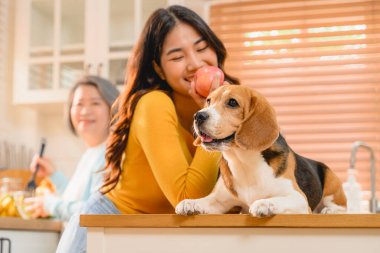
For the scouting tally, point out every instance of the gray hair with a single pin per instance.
(107, 91)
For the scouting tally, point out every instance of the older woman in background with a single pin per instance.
(89, 106)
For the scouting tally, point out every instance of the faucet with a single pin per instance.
(356, 145)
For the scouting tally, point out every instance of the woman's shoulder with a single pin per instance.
(155, 106)
(155, 95)
(155, 100)
(98, 150)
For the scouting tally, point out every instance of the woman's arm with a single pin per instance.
(179, 174)
(60, 181)
(63, 208)
(86, 180)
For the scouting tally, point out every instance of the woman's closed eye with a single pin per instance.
(177, 58)
(200, 49)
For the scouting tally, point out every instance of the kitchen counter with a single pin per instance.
(34, 225)
(232, 220)
(32, 236)
(349, 233)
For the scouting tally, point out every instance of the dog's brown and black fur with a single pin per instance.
(259, 171)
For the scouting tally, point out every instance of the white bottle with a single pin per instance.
(353, 193)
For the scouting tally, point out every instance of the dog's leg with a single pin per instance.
(329, 206)
(334, 199)
(294, 203)
(219, 201)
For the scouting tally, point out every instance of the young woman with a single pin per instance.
(151, 161)
(89, 106)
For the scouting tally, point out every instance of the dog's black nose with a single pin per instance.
(200, 117)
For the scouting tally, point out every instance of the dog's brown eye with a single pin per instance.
(208, 101)
(232, 103)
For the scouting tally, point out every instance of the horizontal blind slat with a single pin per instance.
(225, 8)
(295, 109)
(295, 82)
(375, 41)
(217, 13)
(279, 16)
(296, 54)
(259, 27)
(317, 72)
(241, 38)
(373, 61)
(315, 121)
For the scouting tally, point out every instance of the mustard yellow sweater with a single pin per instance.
(161, 166)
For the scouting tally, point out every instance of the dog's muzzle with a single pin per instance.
(200, 118)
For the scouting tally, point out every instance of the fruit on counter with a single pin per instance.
(45, 187)
(5, 202)
(8, 206)
(204, 77)
(12, 203)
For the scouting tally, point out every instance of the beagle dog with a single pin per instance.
(259, 171)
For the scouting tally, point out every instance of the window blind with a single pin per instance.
(318, 63)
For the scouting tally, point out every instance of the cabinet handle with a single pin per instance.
(86, 71)
(2, 239)
(99, 69)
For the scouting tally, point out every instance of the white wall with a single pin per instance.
(16, 125)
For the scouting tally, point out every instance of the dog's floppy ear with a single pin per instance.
(259, 129)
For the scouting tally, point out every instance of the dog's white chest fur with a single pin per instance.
(253, 178)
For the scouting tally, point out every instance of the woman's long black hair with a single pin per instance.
(142, 78)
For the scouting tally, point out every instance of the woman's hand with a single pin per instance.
(198, 98)
(35, 206)
(46, 166)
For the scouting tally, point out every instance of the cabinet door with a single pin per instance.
(50, 49)
(122, 33)
(71, 42)
(126, 21)
(57, 41)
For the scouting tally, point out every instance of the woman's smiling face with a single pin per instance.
(90, 114)
(184, 52)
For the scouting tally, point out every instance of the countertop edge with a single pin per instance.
(232, 221)
(10, 223)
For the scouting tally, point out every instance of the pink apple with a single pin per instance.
(204, 77)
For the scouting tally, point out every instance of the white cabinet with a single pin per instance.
(29, 241)
(57, 41)
(32, 236)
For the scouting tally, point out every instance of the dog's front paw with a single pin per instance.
(263, 207)
(189, 207)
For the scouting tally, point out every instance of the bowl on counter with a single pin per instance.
(12, 195)
(19, 197)
(10, 184)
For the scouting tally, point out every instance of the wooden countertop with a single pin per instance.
(34, 225)
(232, 221)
